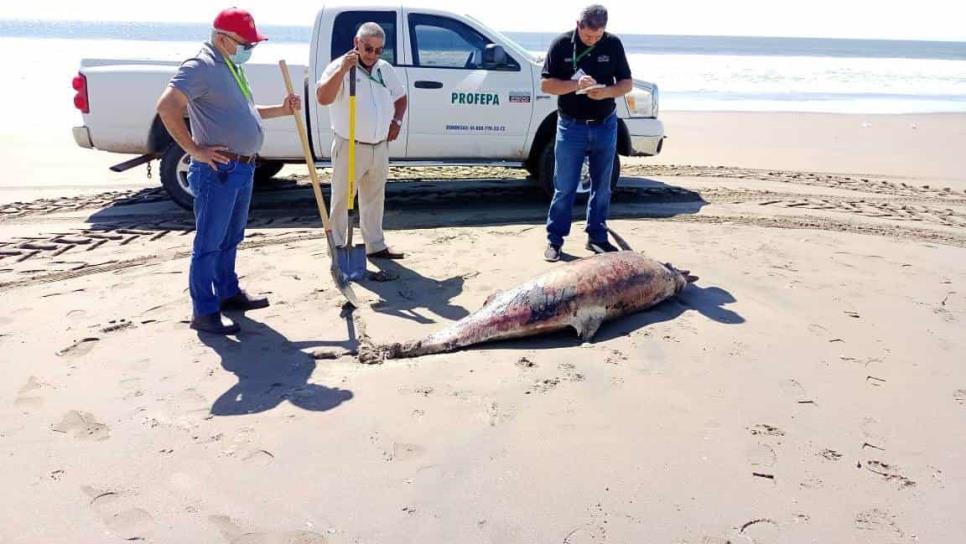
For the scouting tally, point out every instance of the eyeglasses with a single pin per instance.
(371, 50)
(243, 45)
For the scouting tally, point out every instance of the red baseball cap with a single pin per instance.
(240, 22)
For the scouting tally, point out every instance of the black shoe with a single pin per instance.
(387, 253)
(214, 323)
(242, 303)
(601, 247)
(552, 253)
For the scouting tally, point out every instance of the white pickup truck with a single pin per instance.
(474, 98)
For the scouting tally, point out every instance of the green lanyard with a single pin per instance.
(576, 57)
(378, 73)
(239, 75)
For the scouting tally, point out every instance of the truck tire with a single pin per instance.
(264, 171)
(174, 176)
(545, 175)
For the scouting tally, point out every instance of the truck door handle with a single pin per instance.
(428, 84)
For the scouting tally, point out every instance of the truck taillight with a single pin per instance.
(80, 99)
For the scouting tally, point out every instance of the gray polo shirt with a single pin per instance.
(217, 108)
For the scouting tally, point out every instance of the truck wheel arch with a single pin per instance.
(548, 130)
(159, 140)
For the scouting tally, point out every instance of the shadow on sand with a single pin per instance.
(270, 369)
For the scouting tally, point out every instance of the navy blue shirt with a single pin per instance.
(605, 62)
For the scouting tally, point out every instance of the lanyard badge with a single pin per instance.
(378, 73)
(576, 58)
(239, 74)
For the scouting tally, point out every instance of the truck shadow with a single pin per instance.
(409, 205)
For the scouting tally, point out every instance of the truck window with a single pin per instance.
(347, 23)
(441, 42)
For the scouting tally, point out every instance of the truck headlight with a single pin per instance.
(642, 101)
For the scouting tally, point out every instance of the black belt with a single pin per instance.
(244, 159)
(584, 121)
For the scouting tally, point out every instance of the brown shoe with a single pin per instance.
(387, 253)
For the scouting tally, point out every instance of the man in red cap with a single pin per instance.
(226, 134)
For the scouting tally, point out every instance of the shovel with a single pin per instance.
(340, 279)
(621, 242)
(352, 259)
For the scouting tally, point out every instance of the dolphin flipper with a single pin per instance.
(587, 324)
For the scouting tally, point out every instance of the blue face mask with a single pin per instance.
(241, 55)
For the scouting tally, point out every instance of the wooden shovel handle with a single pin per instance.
(309, 160)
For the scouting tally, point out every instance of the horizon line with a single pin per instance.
(297, 26)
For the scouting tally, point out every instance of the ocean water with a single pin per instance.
(694, 73)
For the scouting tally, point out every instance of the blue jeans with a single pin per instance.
(221, 212)
(574, 142)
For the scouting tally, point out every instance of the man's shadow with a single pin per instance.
(270, 369)
(403, 292)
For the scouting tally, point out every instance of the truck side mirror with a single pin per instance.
(494, 56)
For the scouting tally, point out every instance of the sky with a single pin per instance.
(920, 20)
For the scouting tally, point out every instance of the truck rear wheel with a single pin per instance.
(174, 176)
(545, 174)
(265, 171)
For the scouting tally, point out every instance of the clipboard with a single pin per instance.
(592, 87)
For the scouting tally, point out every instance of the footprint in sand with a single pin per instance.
(29, 394)
(493, 414)
(79, 348)
(525, 363)
(404, 452)
(880, 523)
(233, 534)
(830, 454)
(187, 406)
(762, 429)
(121, 518)
(131, 387)
(83, 426)
(889, 473)
(761, 455)
(873, 432)
(259, 458)
(759, 531)
(792, 388)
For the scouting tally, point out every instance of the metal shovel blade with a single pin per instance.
(339, 277)
(621, 242)
(352, 261)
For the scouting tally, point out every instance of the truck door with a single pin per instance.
(468, 97)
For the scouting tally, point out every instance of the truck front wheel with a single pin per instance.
(545, 177)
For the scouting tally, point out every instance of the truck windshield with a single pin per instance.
(506, 40)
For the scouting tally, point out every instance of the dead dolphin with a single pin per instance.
(581, 294)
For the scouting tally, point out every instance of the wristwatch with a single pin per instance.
(398, 122)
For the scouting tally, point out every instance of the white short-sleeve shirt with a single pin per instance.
(375, 99)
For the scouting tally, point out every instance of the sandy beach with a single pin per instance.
(810, 387)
